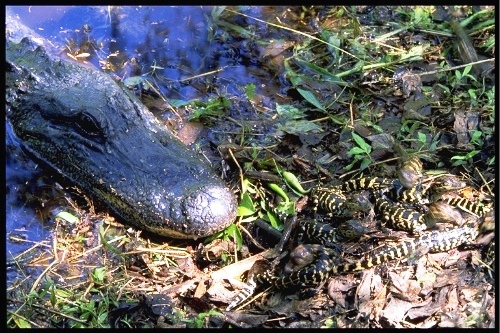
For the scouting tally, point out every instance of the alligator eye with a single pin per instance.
(88, 125)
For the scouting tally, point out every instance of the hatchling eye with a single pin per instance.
(88, 125)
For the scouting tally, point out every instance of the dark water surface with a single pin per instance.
(171, 43)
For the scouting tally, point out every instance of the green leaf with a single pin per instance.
(349, 167)
(355, 151)
(236, 28)
(250, 90)
(293, 182)
(276, 188)
(365, 163)
(472, 94)
(68, 217)
(466, 70)
(246, 206)
(286, 207)
(275, 222)
(213, 107)
(177, 103)
(107, 245)
(300, 127)
(244, 211)
(475, 137)
(53, 298)
(358, 67)
(445, 88)
(289, 112)
(472, 154)
(99, 274)
(415, 51)
(233, 232)
(461, 159)
(309, 96)
(102, 318)
(361, 143)
(217, 11)
(327, 75)
(422, 137)
(21, 323)
(467, 156)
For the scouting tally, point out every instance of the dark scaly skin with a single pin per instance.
(397, 217)
(330, 200)
(311, 275)
(333, 199)
(309, 260)
(467, 205)
(316, 263)
(389, 192)
(321, 233)
(82, 124)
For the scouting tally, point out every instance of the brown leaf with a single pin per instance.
(337, 288)
(429, 308)
(404, 288)
(190, 132)
(395, 310)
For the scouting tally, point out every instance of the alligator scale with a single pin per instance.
(79, 122)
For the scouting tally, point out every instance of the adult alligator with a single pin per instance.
(79, 122)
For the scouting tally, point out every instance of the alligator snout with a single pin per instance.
(209, 210)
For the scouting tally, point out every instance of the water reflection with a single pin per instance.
(172, 44)
(24, 229)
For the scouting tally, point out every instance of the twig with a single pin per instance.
(23, 318)
(37, 281)
(456, 67)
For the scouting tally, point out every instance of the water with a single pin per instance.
(171, 44)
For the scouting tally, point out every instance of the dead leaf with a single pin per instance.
(190, 132)
(428, 309)
(403, 288)
(337, 288)
(395, 310)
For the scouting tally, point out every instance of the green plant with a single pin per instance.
(459, 79)
(361, 152)
(464, 159)
(250, 91)
(201, 318)
(98, 275)
(214, 106)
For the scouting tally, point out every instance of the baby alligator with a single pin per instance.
(80, 123)
(326, 264)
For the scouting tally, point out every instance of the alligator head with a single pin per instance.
(81, 123)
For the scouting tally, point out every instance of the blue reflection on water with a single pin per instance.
(181, 41)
